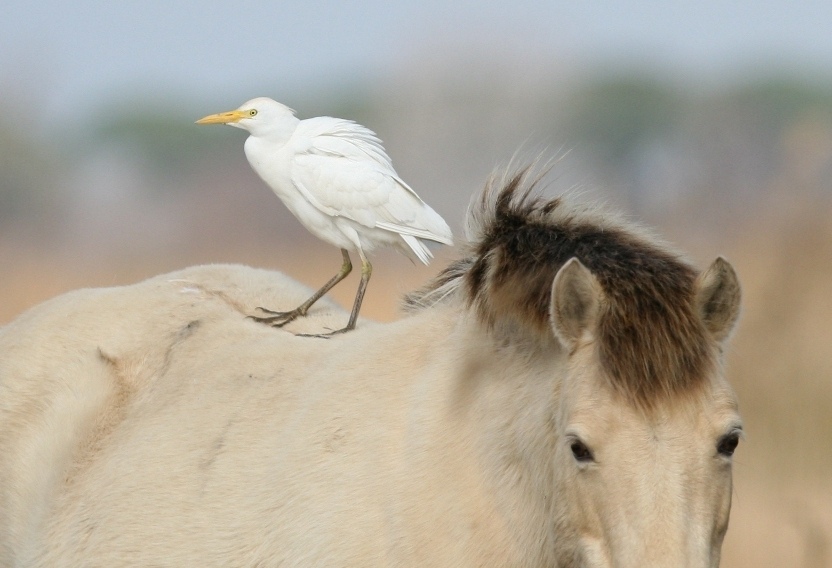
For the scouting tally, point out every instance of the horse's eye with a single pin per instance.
(727, 444)
(581, 452)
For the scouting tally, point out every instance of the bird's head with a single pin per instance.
(262, 117)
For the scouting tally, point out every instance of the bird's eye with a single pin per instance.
(727, 444)
(581, 452)
(252, 112)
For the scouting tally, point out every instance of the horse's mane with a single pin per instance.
(651, 340)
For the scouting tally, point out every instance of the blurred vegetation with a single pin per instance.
(621, 126)
(29, 171)
(647, 135)
(161, 136)
(613, 118)
(777, 102)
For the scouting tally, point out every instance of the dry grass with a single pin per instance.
(781, 366)
(39, 275)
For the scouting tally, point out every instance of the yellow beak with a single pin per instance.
(224, 117)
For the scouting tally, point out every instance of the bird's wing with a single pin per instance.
(341, 187)
(345, 172)
(347, 139)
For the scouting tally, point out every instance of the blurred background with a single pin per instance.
(711, 121)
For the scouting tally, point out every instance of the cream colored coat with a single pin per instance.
(154, 425)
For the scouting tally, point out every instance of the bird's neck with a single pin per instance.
(278, 133)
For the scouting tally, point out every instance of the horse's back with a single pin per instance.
(118, 405)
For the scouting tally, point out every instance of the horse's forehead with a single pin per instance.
(590, 400)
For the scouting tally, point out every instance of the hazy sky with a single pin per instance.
(67, 56)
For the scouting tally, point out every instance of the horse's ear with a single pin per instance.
(718, 298)
(574, 307)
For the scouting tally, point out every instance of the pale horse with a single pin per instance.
(554, 398)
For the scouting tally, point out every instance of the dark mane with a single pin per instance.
(651, 340)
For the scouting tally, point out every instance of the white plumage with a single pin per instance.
(336, 178)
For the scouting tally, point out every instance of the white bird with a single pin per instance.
(336, 178)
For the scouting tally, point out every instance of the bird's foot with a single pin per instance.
(278, 319)
(325, 335)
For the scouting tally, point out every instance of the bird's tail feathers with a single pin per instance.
(419, 249)
(404, 230)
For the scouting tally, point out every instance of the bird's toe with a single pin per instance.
(326, 335)
(278, 320)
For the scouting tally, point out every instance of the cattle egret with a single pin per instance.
(336, 178)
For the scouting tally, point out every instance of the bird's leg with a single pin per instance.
(279, 319)
(366, 272)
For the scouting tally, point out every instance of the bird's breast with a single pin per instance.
(273, 164)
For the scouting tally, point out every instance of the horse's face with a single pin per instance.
(641, 486)
(645, 490)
